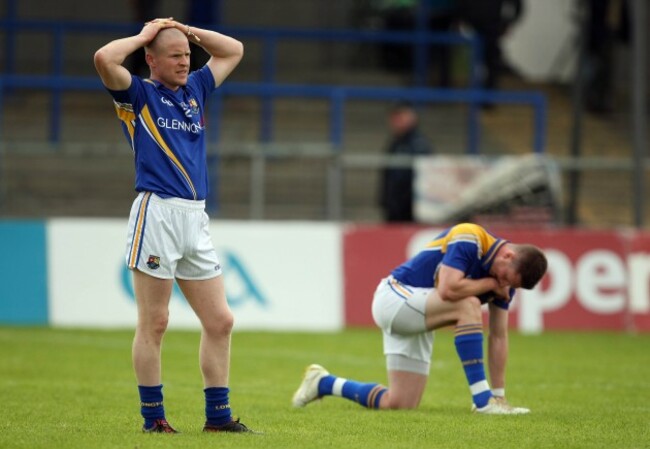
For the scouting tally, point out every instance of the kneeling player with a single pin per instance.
(444, 285)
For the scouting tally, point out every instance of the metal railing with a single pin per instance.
(313, 181)
(339, 95)
(57, 83)
(338, 165)
(268, 90)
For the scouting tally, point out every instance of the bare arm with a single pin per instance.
(454, 286)
(498, 346)
(225, 52)
(109, 59)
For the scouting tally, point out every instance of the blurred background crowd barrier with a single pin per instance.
(298, 131)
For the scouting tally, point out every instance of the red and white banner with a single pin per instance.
(596, 279)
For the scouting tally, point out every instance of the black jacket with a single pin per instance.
(396, 194)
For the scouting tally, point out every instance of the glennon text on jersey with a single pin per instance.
(190, 127)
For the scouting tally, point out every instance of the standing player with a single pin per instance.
(163, 119)
(444, 285)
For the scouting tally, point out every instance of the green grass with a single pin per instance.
(76, 389)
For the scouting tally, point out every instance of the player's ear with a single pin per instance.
(150, 55)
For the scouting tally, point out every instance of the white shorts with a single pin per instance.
(399, 310)
(169, 238)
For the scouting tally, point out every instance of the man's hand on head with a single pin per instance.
(151, 29)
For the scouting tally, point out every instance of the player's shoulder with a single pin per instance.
(135, 86)
(467, 231)
(147, 85)
(201, 78)
(468, 227)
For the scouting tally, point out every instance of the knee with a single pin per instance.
(156, 325)
(402, 403)
(221, 326)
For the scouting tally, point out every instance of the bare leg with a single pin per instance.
(406, 388)
(466, 316)
(152, 297)
(441, 313)
(208, 300)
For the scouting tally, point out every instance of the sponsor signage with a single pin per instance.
(278, 276)
(289, 275)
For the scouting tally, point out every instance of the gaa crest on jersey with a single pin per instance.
(194, 106)
(153, 262)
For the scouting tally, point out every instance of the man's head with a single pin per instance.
(402, 118)
(519, 266)
(168, 56)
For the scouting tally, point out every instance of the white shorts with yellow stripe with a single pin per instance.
(399, 310)
(170, 238)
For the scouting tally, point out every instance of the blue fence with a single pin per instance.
(268, 89)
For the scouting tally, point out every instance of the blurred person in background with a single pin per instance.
(401, 15)
(444, 285)
(168, 232)
(491, 20)
(396, 16)
(396, 191)
(608, 23)
(442, 18)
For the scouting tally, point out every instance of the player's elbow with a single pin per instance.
(446, 293)
(238, 50)
(100, 59)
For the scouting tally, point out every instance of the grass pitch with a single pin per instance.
(75, 389)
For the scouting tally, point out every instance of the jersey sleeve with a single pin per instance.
(461, 255)
(501, 303)
(129, 96)
(202, 81)
(128, 104)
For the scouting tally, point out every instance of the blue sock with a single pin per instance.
(217, 406)
(366, 394)
(151, 404)
(469, 346)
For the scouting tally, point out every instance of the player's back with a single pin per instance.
(466, 246)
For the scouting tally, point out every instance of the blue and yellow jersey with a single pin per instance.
(466, 247)
(166, 130)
